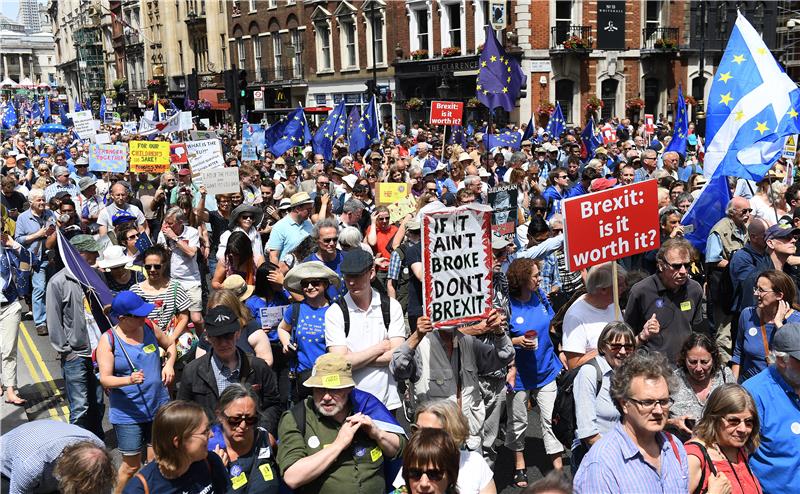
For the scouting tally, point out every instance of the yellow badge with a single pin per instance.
(266, 471)
(149, 348)
(332, 380)
(375, 454)
(686, 306)
(239, 480)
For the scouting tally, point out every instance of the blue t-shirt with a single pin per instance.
(207, 476)
(309, 336)
(255, 303)
(749, 351)
(535, 368)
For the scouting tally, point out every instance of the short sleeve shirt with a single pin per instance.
(107, 213)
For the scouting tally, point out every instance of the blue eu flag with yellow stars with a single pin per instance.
(331, 129)
(292, 132)
(9, 115)
(506, 138)
(555, 126)
(678, 142)
(46, 109)
(365, 131)
(752, 107)
(457, 136)
(500, 77)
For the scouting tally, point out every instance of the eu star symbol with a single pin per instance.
(483, 64)
(493, 58)
(738, 59)
(725, 76)
(739, 115)
(793, 113)
(762, 51)
(725, 98)
(505, 89)
(762, 127)
(478, 87)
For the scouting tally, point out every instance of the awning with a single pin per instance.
(216, 97)
(317, 109)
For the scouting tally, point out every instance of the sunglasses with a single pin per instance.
(312, 283)
(152, 267)
(678, 265)
(434, 475)
(134, 237)
(615, 347)
(539, 209)
(331, 240)
(246, 217)
(81, 166)
(249, 420)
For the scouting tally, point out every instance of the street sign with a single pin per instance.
(446, 112)
(790, 147)
(258, 100)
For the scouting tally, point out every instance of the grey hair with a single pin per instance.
(325, 223)
(518, 157)
(471, 179)
(601, 277)
(414, 169)
(350, 238)
(684, 196)
(666, 213)
(729, 208)
(352, 206)
(646, 365)
(232, 393)
(176, 213)
(35, 193)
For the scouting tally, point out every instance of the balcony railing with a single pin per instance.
(282, 73)
(571, 38)
(660, 39)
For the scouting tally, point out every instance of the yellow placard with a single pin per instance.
(149, 156)
(332, 380)
(149, 348)
(398, 210)
(375, 454)
(686, 305)
(239, 480)
(266, 471)
(390, 193)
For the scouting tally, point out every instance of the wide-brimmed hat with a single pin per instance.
(293, 279)
(114, 257)
(86, 182)
(300, 198)
(257, 212)
(285, 203)
(464, 157)
(331, 371)
(237, 285)
(350, 180)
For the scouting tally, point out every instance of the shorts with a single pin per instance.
(132, 438)
(195, 294)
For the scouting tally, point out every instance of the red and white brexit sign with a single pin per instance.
(446, 112)
(611, 224)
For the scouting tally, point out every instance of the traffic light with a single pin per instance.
(242, 83)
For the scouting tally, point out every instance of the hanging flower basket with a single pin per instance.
(545, 108)
(414, 104)
(593, 104)
(118, 83)
(451, 51)
(576, 43)
(634, 104)
(473, 103)
(666, 44)
(419, 54)
(154, 83)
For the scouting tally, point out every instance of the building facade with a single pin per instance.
(27, 58)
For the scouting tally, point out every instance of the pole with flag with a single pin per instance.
(46, 109)
(293, 132)
(681, 131)
(555, 126)
(102, 108)
(330, 131)
(9, 115)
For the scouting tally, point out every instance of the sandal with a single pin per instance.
(521, 477)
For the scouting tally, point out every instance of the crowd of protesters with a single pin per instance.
(275, 338)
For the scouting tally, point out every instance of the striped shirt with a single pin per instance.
(615, 465)
(168, 303)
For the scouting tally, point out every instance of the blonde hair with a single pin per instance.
(453, 421)
(229, 299)
(726, 399)
(177, 419)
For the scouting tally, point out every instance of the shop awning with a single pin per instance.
(216, 97)
(317, 109)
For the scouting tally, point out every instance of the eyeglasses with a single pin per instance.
(331, 240)
(312, 283)
(249, 420)
(558, 230)
(434, 475)
(615, 347)
(383, 218)
(562, 176)
(246, 217)
(541, 210)
(133, 237)
(82, 166)
(743, 211)
(759, 291)
(152, 267)
(649, 405)
(205, 433)
(678, 265)
(734, 422)
(323, 184)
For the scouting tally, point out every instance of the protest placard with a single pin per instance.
(149, 156)
(446, 112)
(201, 135)
(204, 154)
(611, 224)
(178, 154)
(108, 158)
(102, 138)
(457, 264)
(389, 193)
(221, 180)
(84, 124)
(399, 210)
(271, 316)
(129, 128)
(790, 147)
(649, 123)
(185, 121)
(503, 200)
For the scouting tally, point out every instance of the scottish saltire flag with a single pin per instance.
(752, 106)
(529, 129)
(555, 126)
(331, 129)
(293, 132)
(500, 77)
(103, 108)
(46, 109)
(681, 132)
(505, 138)
(706, 210)
(591, 140)
(78, 105)
(457, 136)
(9, 115)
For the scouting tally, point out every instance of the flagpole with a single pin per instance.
(444, 140)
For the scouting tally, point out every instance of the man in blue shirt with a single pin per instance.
(291, 229)
(326, 234)
(776, 391)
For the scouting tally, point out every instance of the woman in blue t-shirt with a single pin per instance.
(536, 364)
(302, 335)
(130, 367)
(775, 296)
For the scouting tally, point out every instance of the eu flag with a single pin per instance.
(555, 126)
(272, 133)
(9, 115)
(62, 113)
(331, 129)
(36, 111)
(46, 109)
(506, 138)
(78, 105)
(528, 134)
(678, 142)
(752, 106)
(366, 131)
(706, 211)
(457, 136)
(293, 132)
(591, 140)
(102, 108)
(500, 77)
(470, 130)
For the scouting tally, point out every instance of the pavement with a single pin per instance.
(40, 382)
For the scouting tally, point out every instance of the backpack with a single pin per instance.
(345, 314)
(401, 284)
(564, 423)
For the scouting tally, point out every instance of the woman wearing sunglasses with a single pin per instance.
(245, 218)
(597, 413)
(130, 368)
(724, 438)
(775, 295)
(243, 447)
(430, 463)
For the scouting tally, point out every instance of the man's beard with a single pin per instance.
(338, 408)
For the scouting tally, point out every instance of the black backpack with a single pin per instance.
(564, 423)
(345, 314)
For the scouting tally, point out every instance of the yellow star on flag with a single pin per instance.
(508, 80)
(793, 113)
(739, 115)
(725, 98)
(505, 89)
(478, 87)
(762, 51)
(725, 76)
(483, 64)
(493, 58)
(761, 127)
(738, 59)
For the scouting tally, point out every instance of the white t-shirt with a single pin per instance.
(583, 324)
(763, 210)
(474, 474)
(366, 330)
(106, 214)
(253, 235)
(182, 267)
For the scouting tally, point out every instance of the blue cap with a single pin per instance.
(127, 303)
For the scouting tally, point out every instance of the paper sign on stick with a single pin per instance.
(221, 180)
(389, 193)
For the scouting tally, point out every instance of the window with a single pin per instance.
(240, 52)
(454, 16)
(348, 43)
(272, 4)
(377, 32)
(257, 56)
(180, 55)
(563, 21)
(652, 18)
(652, 95)
(252, 5)
(564, 95)
(422, 29)
(297, 59)
(608, 93)
(324, 44)
(224, 46)
(277, 55)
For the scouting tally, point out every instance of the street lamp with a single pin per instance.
(443, 91)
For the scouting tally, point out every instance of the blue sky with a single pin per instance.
(9, 8)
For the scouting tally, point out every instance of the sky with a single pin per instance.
(9, 8)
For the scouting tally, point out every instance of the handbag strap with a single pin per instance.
(766, 343)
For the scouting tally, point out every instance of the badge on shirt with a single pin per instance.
(375, 454)
(659, 303)
(239, 480)
(266, 471)
(359, 451)
(313, 442)
(686, 306)
(264, 453)
(149, 348)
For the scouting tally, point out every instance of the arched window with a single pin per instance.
(564, 96)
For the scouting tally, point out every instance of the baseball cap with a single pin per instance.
(85, 243)
(356, 261)
(128, 303)
(184, 171)
(221, 321)
(331, 371)
(787, 340)
(781, 231)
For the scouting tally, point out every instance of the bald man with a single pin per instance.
(671, 160)
(120, 196)
(728, 236)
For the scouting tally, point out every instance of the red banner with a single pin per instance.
(611, 224)
(446, 112)
(178, 154)
(649, 123)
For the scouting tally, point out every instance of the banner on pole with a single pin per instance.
(149, 156)
(446, 112)
(457, 264)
